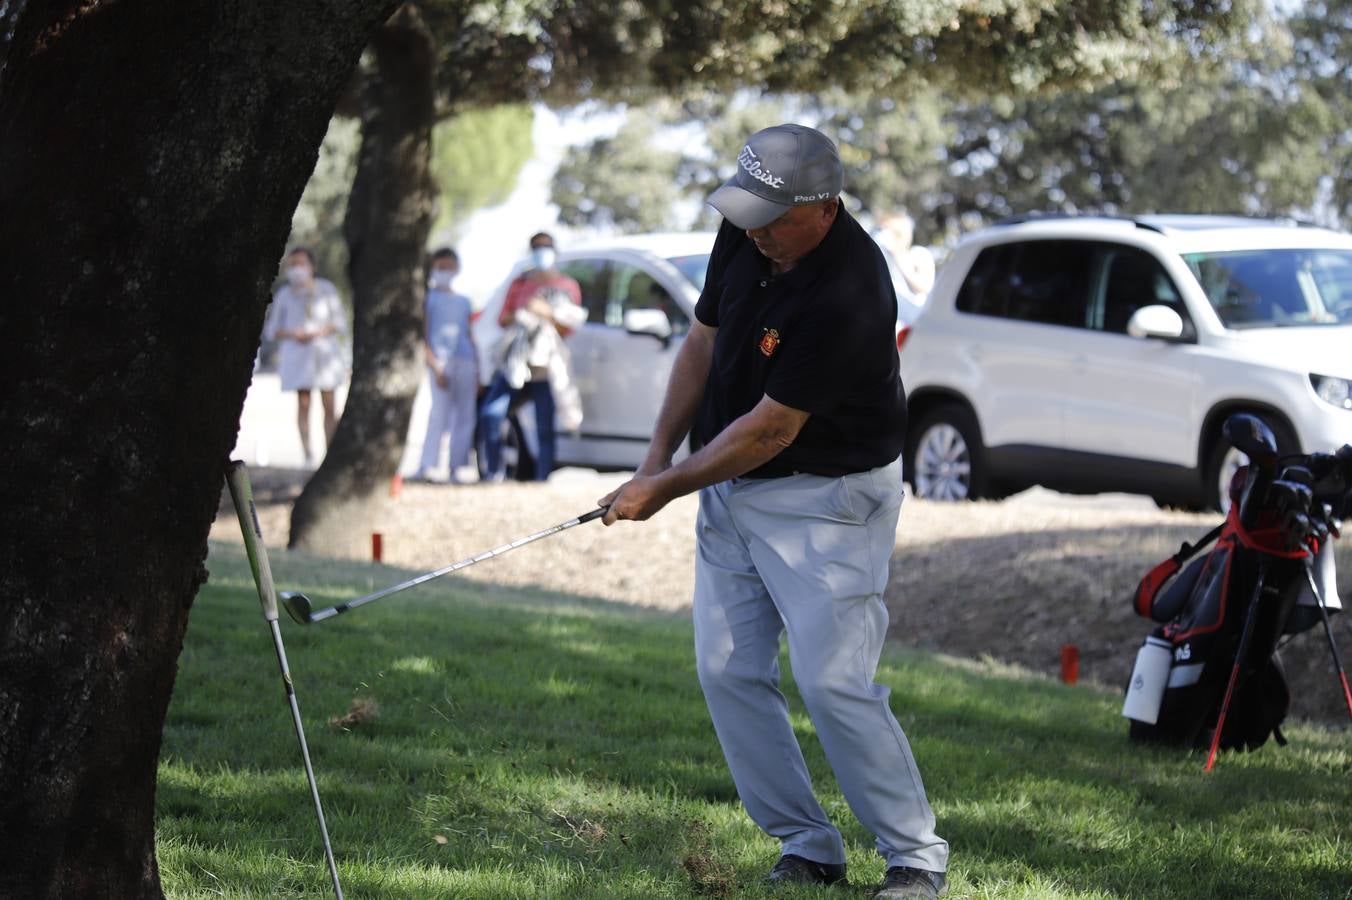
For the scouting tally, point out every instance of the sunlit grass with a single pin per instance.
(540, 746)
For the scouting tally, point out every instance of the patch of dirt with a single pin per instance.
(1014, 580)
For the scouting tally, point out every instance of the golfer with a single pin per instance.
(789, 381)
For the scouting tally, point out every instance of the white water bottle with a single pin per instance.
(1150, 676)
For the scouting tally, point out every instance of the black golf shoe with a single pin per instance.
(906, 883)
(793, 869)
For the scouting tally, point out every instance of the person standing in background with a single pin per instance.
(453, 367)
(542, 307)
(895, 234)
(306, 318)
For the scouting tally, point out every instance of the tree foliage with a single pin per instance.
(1322, 77)
(477, 157)
(318, 220)
(1260, 128)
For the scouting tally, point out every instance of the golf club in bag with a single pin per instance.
(241, 492)
(1209, 675)
(299, 607)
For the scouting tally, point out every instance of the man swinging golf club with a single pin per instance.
(789, 380)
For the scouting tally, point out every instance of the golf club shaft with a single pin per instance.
(241, 492)
(1328, 633)
(320, 615)
(305, 754)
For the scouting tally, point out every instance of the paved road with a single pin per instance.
(267, 427)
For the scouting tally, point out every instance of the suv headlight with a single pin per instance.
(1337, 391)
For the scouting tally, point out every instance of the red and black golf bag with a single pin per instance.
(1210, 674)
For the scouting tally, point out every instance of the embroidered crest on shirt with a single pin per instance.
(769, 341)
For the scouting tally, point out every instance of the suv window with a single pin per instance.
(590, 275)
(1035, 281)
(635, 288)
(1131, 278)
(1078, 284)
(1263, 288)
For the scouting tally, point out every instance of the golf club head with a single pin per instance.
(1251, 436)
(1297, 528)
(1299, 474)
(1289, 497)
(297, 606)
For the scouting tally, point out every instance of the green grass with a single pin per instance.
(533, 745)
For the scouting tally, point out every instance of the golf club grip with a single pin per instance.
(456, 566)
(241, 493)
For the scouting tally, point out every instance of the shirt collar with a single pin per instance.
(819, 256)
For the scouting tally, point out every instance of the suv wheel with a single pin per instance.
(1224, 460)
(944, 456)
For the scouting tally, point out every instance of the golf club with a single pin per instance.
(1249, 435)
(241, 492)
(1328, 633)
(1244, 637)
(298, 605)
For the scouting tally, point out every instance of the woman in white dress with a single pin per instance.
(306, 319)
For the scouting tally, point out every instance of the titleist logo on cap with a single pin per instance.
(748, 160)
(778, 168)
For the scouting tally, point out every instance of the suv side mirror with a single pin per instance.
(651, 322)
(1156, 321)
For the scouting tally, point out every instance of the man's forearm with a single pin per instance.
(746, 444)
(685, 390)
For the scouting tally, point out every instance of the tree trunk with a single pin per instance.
(389, 215)
(151, 154)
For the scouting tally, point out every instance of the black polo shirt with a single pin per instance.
(820, 338)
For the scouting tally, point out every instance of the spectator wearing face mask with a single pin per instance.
(542, 307)
(305, 320)
(452, 365)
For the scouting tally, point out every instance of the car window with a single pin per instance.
(694, 268)
(986, 286)
(634, 288)
(1265, 288)
(1130, 278)
(1033, 281)
(590, 275)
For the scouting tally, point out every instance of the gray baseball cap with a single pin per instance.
(779, 168)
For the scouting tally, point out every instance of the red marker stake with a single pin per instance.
(1070, 663)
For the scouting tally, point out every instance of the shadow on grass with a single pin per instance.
(536, 744)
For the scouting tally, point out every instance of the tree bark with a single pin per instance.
(389, 216)
(151, 154)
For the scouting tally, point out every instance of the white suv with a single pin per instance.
(1097, 354)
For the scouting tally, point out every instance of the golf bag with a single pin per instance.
(1210, 674)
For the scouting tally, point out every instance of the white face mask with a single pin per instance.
(543, 258)
(441, 279)
(298, 276)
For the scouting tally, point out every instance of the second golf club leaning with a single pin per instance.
(298, 605)
(241, 492)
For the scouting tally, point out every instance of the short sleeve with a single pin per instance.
(816, 360)
(513, 301)
(725, 246)
(573, 288)
(273, 322)
(337, 314)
